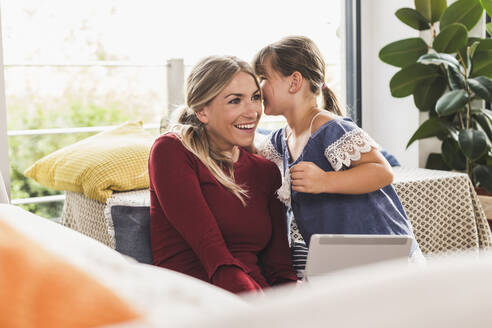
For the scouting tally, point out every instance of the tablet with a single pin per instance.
(328, 253)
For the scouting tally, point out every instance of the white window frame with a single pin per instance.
(4, 146)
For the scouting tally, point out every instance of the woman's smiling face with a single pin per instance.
(232, 116)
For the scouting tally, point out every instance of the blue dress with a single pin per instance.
(333, 147)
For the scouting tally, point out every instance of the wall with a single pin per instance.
(391, 121)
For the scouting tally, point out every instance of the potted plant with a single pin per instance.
(449, 77)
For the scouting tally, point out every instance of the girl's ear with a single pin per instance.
(296, 80)
(202, 115)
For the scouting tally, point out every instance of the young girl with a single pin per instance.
(335, 179)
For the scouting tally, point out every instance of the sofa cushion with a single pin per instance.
(132, 231)
(127, 215)
(96, 166)
(39, 289)
(163, 297)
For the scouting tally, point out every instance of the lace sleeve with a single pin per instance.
(348, 148)
(266, 149)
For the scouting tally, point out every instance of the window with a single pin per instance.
(73, 68)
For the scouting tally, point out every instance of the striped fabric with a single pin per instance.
(299, 253)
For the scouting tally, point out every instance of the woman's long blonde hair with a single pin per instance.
(207, 79)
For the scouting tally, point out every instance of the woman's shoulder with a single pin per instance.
(169, 139)
(263, 170)
(258, 163)
(169, 142)
(258, 160)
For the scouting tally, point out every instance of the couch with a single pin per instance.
(454, 291)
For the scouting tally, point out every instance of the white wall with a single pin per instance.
(4, 149)
(390, 121)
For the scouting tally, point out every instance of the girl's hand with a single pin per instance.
(308, 177)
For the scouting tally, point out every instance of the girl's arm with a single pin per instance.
(370, 173)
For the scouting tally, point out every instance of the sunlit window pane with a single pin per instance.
(71, 64)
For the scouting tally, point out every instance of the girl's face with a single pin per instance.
(232, 116)
(275, 90)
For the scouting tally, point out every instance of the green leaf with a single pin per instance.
(436, 162)
(473, 48)
(466, 12)
(482, 59)
(473, 143)
(472, 43)
(431, 9)
(487, 5)
(452, 154)
(485, 124)
(487, 113)
(483, 174)
(433, 127)
(438, 59)
(404, 81)
(426, 94)
(488, 27)
(455, 78)
(451, 38)
(413, 18)
(482, 86)
(467, 59)
(451, 102)
(404, 52)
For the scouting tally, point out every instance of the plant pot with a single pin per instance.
(486, 201)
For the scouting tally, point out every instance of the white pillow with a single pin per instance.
(452, 292)
(166, 298)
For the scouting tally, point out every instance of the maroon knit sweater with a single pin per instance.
(198, 227)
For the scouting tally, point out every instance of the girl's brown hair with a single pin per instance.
(299, 53)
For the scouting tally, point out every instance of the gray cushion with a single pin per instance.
(132, 231)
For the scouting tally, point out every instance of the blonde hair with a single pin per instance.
(207, 79)
(301, 54)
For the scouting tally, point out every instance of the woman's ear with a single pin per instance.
(296, 80)
(202, 115)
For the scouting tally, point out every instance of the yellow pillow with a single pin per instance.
(37, 289)
(111, 160)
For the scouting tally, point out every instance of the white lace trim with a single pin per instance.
(348, 148)
(283, 193)
(266, 149)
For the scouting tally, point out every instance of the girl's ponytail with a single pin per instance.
(330, 101)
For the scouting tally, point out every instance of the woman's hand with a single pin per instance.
(308, 177)
(234, 279)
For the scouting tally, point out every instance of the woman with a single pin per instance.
(214, 211)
